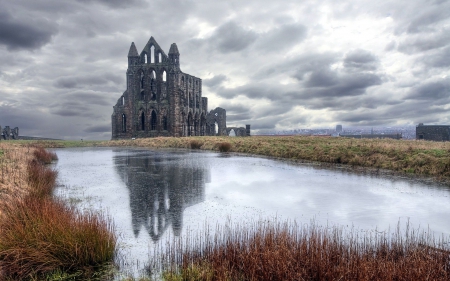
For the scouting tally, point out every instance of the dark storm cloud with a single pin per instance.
(25, 33)
(98, 129)
(215, 81)
(231, 37)
(360, 60)
(434, 91)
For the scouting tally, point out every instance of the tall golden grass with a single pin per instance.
(40, 235)
(282, 251)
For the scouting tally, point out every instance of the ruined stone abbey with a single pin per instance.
(161, 100)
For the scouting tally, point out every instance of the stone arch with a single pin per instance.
(190, 123)
(202, 124)
(183, 124)
(217, 118)
(196, 125)
(153, 121)
(142, 121)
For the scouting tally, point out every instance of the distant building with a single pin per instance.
(338, 128)
(433, 132)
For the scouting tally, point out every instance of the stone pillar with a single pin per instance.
(247, 130)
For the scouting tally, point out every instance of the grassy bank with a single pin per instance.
(413, 157)
(42, 237)
(292, 252)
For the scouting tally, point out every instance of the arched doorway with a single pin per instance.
(153, 121)
(142, 121)
(190, 124)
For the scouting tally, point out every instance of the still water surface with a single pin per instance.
(156, 195)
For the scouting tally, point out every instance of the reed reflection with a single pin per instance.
(161, 187)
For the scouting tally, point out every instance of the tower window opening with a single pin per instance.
(159, 58)
(164, 76)
(123, 100)
(124, 123)
(145, 58)
(152, 54)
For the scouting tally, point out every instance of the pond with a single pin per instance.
(154, 196)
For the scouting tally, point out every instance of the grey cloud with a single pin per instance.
(440, 58)
(322, 78)
(67, 112)
(434, 90)
(360, 60)
(27, 33)
(115, 3)
(348, 85)
(238, 117)
(98, 129)
(391, 46)
(236, 108)
(425, 42)
(282, 38)
(86, 98)
(230, 37)
(215, 81)
(87, 80)
(429, 16)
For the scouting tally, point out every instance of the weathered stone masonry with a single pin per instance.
(161, 100)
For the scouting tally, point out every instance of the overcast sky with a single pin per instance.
(273, 64)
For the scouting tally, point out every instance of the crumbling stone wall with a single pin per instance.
(8, 134)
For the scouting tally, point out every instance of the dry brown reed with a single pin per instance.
(196, 144)
(308, 252)
(41, 179)
(44, 156)
(224, 146)
(39, 236)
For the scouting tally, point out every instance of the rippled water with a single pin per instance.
(156, 194)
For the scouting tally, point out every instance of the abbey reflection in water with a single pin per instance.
(161, 187)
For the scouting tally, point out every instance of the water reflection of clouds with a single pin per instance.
(329, 195)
